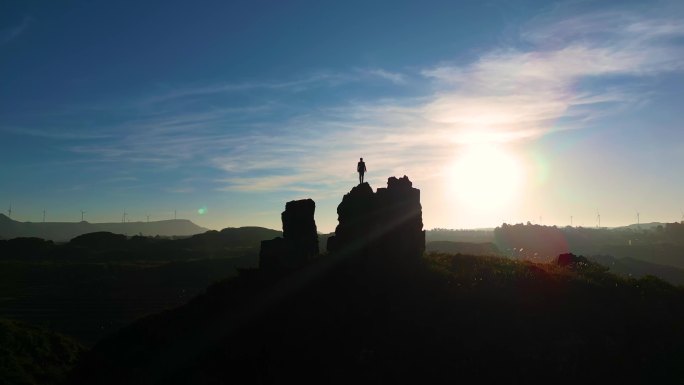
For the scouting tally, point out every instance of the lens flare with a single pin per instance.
(202, 210)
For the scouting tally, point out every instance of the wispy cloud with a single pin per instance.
(120, 179)
(319, 79)
(11, 33)
(393, 77)
(56, 133)
(181, 190)
(560, 76)
(561, 79)
(315, 80)
(512, 93)
(294, 183)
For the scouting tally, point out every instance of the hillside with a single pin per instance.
(441, 319)
(469, 248)
(99, 282)
(103, 245)
(450, 235)
(64, 231)
(663, 245)
(637, 268)
(32, 355)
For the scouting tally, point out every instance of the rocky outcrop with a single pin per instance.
(300, 239)
(356, 216)
(299, 227)
(387, 222)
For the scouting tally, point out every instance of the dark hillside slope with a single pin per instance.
(443, 319)
(230, 237)
(99, 282)
(32, 355)
(637, 268)
(101, 245)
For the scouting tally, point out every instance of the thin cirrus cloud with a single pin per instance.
(294, 183)
(301, 84)
(11, 33)
(180, 190)
(560, 76)
(58, 133)
(393, 77)
(306, 83)
(508, 94)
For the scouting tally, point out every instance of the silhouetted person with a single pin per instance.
(361, 168)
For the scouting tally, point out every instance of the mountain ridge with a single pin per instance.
(65, 231)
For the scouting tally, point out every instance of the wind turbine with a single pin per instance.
(9, 211)
(43, 215)
(123, 219)
(598, 217)
(174, 214)
(148, 218)
(82, 212)
(638, 220)
(570, 220)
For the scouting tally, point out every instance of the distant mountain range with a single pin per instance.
(64, 231)
(642, 226)
(632, 267)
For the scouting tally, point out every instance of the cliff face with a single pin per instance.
(300, 239)
(389, 221)
(400, 218)
(299, 227)
(356, 216)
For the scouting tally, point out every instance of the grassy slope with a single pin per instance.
(31, 355)
(88, 300)
(100, 282)
(443, 319)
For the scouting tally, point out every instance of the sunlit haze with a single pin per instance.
(486, 183)
(220, 112)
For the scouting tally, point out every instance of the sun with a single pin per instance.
(485, 177)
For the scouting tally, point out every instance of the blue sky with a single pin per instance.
(238, 107)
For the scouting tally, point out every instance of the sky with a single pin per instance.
(498, 111)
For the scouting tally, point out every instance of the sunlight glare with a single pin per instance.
(486, 177)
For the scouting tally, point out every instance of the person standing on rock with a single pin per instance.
(361, 168)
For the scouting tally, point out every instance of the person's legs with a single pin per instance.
(360, 177)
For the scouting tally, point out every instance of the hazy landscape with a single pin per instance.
(355, 192)
(90, 288)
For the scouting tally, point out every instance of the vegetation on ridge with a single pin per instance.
(445, 318)
(99, 282)
(31, 355)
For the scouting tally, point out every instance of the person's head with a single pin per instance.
(362, 159)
